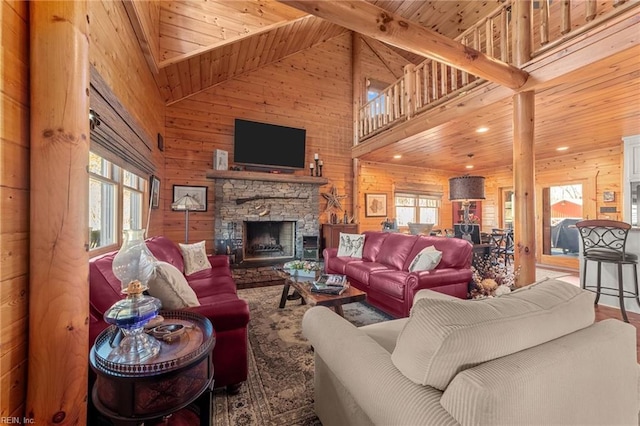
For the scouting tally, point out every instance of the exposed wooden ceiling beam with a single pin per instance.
(372, 21)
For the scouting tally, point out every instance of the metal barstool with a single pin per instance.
(604, 241)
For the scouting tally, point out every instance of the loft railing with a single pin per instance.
(431, 83)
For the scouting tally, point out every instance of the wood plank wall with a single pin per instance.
(311, 89)
(118, 57)
(14, 206)
(383, 178)
(603, 167)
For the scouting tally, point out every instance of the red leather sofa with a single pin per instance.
(383, 270)
(216, 293)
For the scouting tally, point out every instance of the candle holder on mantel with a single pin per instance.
(317, 166)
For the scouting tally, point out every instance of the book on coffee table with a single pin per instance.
(331, 280)
(324, 289)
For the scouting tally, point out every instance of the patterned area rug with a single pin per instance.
(279, 390)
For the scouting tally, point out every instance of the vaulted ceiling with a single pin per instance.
(197, 44)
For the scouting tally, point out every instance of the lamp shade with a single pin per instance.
(466, 188)
(186, 202)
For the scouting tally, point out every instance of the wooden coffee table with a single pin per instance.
(303, 289)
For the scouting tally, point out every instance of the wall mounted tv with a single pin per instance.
(268, 146)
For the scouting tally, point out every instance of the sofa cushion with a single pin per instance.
(456, 252)
(372, 243)
(170, 286)
(395, 249)
(166, 250)
(444, 337)
(389, 282)
(350, 245)
(426, 260)
(195, 257)
(360, 271)
(338, 265)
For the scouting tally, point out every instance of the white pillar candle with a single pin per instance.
(311, 165)
(315, 156)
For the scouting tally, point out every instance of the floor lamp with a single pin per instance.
(466, 189)
(186, 203)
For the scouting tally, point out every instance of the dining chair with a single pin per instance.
(605, 241)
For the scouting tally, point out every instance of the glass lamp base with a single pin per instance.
(136, 346)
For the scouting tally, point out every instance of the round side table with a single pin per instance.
(181, 374)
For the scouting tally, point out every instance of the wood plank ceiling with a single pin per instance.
(203, 43)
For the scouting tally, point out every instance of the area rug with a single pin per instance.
(279, 390)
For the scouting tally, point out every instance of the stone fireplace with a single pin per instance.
(262, 219)
(269, 240)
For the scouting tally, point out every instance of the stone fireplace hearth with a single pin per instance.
(261, 220)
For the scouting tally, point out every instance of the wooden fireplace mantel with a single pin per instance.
(265, 176)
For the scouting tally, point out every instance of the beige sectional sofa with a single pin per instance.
(532, 357)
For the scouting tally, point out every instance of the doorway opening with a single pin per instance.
(562, 209)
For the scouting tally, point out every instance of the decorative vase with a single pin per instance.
(133, 265)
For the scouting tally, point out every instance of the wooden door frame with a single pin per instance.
(588, 211)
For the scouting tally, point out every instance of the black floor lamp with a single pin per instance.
(466, 189)
(186, 203)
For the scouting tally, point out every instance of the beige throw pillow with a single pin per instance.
(426, 260)
(351, 245)
(445, 337)
(170, 286)
(195, 257)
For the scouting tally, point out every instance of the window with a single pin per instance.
(115, 201)
(418, 208)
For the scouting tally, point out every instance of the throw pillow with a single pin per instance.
(195, 257)
(351, 245)
(169, 285)
(426, 260)
(445, 337)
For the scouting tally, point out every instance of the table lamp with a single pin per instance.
(186, 203)
(133, 265)
(466, 189)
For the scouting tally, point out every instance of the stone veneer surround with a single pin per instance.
(299, 202)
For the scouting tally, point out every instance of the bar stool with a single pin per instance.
(604, 241)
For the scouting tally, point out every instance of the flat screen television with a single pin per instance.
(268, 146)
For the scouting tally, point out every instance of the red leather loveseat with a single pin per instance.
(383, 273)
(216, 292)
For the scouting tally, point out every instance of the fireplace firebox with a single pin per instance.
(269, 240)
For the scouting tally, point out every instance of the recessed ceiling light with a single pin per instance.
(562, 148)
(469, 166)
(482, 129)
(397, 156)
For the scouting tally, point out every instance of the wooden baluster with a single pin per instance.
(409, 92)
(488, 30)
(454, 78)
(425, 83)
(504, 36)
(476, 38)
(566, 17)
(387, 105)
(544, 22)
(465, 75)
(590, 7)
(444, 83)
(434, 80)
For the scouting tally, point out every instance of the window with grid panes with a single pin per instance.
(116, 200)
(417, 208)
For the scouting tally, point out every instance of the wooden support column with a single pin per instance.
(59, 268)
(524, 155)
(409, 95)
(358, 98)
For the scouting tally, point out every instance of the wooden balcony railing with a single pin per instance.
(430, 83)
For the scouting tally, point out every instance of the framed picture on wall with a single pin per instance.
(375, 205)
(608, 196)
(199, 193)
(220, 159)
(155, 192)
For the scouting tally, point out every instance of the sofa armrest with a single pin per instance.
(365, 370)
(430, 294)
(219, 260)
(329, 252)
(586, 377)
